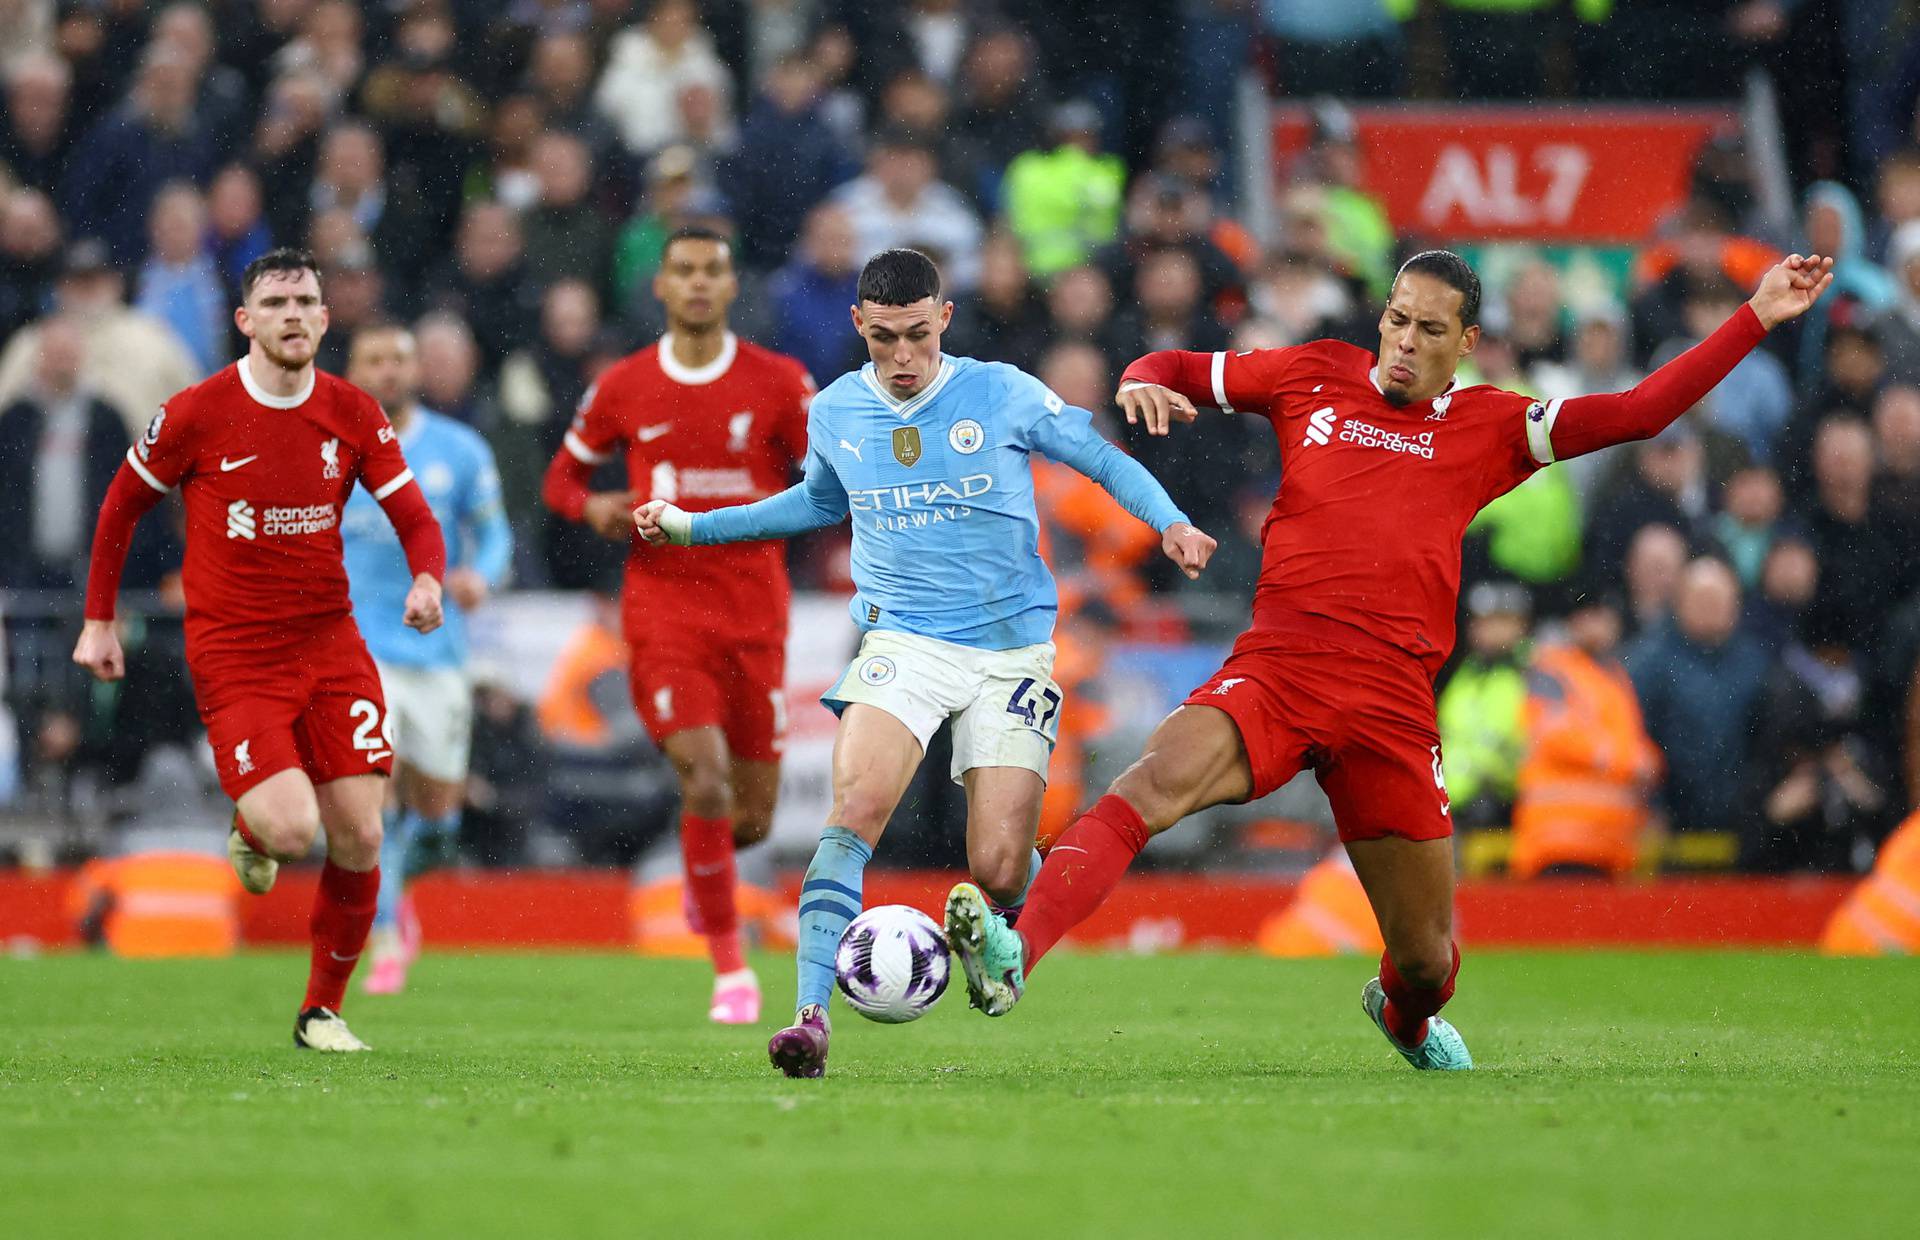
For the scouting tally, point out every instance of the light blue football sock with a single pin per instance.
(829, 900)
(436, 842)
(396, 844)
(1011, 912)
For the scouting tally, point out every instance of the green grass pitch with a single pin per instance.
(1618, 1095)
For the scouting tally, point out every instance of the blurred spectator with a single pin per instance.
(1581, 801)
(1701, 681)
(450, 369)
(223, 103)
(1302, 300)
(1165, 215)
(1064, 203)
(1334, 49)
(36, 125)
(1823, 788)
(1080, 308)
(561, 79)
(356, 293)
(842, 105)
(132, 361)
(180, 285)
(811, 294)
(674, 197)
(116, 168)
(1702, 245)
(1748, 522)
(1896, 488)
(567, 238)
(1005, 320)
(1789, 577)
(1755, 399)
(484, 281)
(329, 43)
(1529, 315)
(351, 177)
(789, 159)
(60, 447)
(26, 29)
(777, 29)
(1664, 483)
(1900, 326)
(286, 147)
(1480, 708)
(1597, 361)
(29, 257)
(899, 202)
(1861, 573)
(1656, 558)
(237, 231)
(1854, 371)
(1166, 311)
(1002, 101)
(913, 101)
(505, 172)
(1358, 235)
(648, 68)
(1832, 225)
(431, 123)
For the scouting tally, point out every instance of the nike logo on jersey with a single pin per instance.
(379, 754)
(227, 467)
(855, 448)
(647, 434)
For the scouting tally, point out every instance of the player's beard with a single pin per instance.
(277, 354)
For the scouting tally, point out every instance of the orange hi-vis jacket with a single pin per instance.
(1581, 795)
(161, 903)
(1882, 915)
(1329, 915)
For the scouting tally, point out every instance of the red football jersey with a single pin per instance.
(264, 479)
(1374, 497)
(727, 433)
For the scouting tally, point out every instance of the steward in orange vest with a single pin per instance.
(1582, 793)
(1882, 915)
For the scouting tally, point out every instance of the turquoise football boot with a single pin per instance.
(991, 952)
(1442, 1050)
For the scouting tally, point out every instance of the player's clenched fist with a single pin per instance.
(1154, 405)
(98, 650)
(423, 604)
(1187, 547)
(660, 523)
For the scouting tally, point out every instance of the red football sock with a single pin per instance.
(246, 833)
(706, 848)
(1080, 871)
(342, 915)
(1408, 1006)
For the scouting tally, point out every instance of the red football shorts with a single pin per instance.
(739, 689)
(1363, 720)
(315, 706)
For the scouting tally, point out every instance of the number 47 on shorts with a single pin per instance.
(1026, 706)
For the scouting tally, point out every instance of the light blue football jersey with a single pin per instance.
(455, 468)
(939, 488)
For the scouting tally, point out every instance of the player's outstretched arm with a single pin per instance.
(813, 503)
(1166, 386)
(1559, 430)
(128, 499)
(1069, 438)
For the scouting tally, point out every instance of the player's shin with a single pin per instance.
(1010, 912)
(342, 916)
(1408, 1006)
(829, 900)
(706, 848)
(1080, 872)
(396, 841)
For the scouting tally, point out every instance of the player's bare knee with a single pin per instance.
(705, 793)
(1002, 873)
(1423, 961)
(750, 827)
(288, 835)
(355, 845)
(862, 811)
(1155, 797)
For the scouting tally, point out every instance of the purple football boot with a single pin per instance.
(801, 1048)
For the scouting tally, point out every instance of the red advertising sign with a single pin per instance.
(1533, 173)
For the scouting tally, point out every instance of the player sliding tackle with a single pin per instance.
(1384, 462)
(265, 454)
(929, 453)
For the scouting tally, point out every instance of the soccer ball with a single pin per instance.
(892, 964)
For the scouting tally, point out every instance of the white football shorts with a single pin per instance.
(430, 711)
(1004, 705)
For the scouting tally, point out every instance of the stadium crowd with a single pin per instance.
(500, 174)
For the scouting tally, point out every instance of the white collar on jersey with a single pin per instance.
(694, 376)
(267, 398)
(918, 401)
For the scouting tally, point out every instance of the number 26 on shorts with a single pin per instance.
(1039, 711)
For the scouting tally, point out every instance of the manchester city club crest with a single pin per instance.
(966, 436)
(877, 671)
(906, 446)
